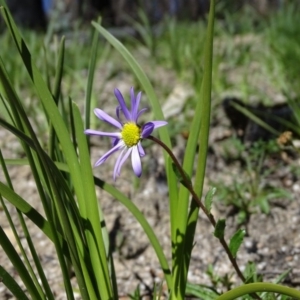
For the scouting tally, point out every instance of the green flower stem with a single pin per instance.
(210, 217)
(259, 287)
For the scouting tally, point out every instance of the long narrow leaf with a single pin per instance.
(205, 103)
(93, 231)
(27, 209)
(56, 92)
(12, 285)
(19, 265)
(92, 66)
(199, 130)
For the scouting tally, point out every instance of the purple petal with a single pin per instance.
(116, 135)
(158, 124)
(121, 162)
(132, 97)
(107, 118)
(138, 100)
(135, 102)
(140, 113)
(114, 141)
(122, 104)
(141, 150)
(136, 162)
(118, 163)
(147, 129)
(118, 112)
(109, 153)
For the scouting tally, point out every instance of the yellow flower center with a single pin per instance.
(131, 134)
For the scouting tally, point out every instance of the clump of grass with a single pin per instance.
(283, 38)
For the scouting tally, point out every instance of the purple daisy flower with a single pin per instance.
(130, 134)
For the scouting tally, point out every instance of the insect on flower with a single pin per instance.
(128, 138)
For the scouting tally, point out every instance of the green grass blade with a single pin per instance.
(95, 237)
(56, 91)
(15, 259)
(205, 103)
(199, 130)
(27, 209)
(16, 162)
(90, 80)
(200, 291)
(255, 119)
(12, 285)
(59, 70)
(30, 212)
(5, 111)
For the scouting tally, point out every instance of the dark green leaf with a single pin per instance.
(200, 291)
(208, 198)
(236, 241)
(220, 228)
(11, 284)
(18, 264)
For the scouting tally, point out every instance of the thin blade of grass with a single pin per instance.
(256, 119)
(28, 210)
(12, 285)
(97, 238)
(199, 133)
(90, 80)
(56, 91)
(205, 103)
(15, 259)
